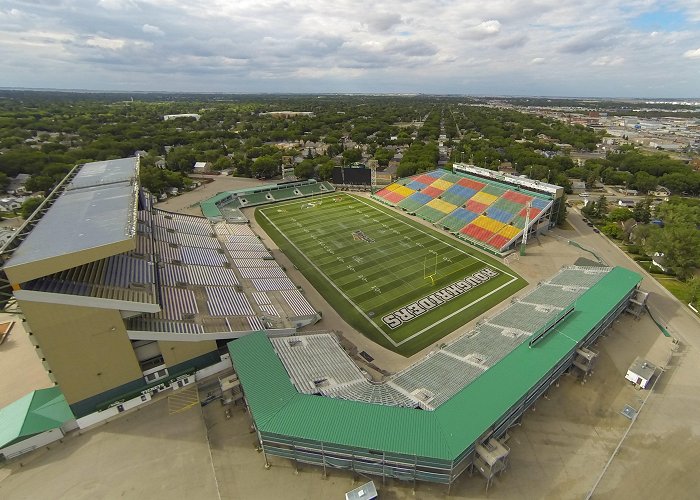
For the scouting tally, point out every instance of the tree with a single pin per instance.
(325, 170)
(645, 182)
(678, 213)
(383, 156)
(601, 207)
(642, 212)
(305, 169)
(643, 232)
(29, 205)
(222, 163)
(680, 246)
(694, 288)
(352, 156)
(265, 167)
(620, 214)
(613, 230)
(563, 212)
(589, 209)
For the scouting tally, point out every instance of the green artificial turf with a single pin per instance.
(368, 261)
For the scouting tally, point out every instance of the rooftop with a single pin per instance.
(37, 412)
(94, 218)
(279, 408)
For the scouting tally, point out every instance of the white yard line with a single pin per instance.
(377, 327)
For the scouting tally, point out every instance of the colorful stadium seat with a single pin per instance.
(477, 209)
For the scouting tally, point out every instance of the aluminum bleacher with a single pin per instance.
(227, 205)
(436, 378)
(297, 302)
(207, 273)
(226, 301)
(315, 362)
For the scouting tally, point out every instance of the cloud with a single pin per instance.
(451, 46)
(608, 61)
(152, 30)
(483, 29)
(512, 42)
(118, 4)
(105, 43)
(379, 23)
(589, 42)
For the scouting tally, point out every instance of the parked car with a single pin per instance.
(584, 195)
(596, 230)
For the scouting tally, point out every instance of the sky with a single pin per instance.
(596, 48)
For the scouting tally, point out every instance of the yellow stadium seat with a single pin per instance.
(484, 198)
(404, 191)
(442, 206)
(509, 231)
(440, 184)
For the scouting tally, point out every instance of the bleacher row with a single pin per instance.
(182, 254)
(194, 254)
(439, 376)
(229, 204)
(480, 210)
(318, 365)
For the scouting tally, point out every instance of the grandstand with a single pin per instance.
(477, 205)
(440, 416)
(140, 293)
(226, 206)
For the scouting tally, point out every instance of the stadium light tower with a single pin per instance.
(523, 242)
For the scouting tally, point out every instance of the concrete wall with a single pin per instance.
(87, 349)
(175, 353)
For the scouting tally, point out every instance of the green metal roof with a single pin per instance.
(442, 434)
(37, 412)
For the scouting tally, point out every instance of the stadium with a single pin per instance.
(132, 300)
(144, 297)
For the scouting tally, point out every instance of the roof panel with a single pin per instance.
(443, 434)
(96, 212)
(37, 412)
(267, 385)
(101, 173)
(479, 405)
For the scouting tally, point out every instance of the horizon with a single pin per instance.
(566, 48)
(693, 100)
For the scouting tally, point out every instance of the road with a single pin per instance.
(676, 317)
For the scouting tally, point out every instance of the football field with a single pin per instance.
(398, 282)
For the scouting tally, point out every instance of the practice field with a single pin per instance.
(399, 283)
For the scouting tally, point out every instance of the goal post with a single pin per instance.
(430, 267)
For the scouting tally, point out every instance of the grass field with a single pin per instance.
(372, 265)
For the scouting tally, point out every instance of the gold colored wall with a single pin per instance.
(87, 349)
(179, 352)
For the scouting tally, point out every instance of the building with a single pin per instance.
(443, 415)
(641, 372)
(130, 299)
(182, 115)
(35, 420)
(17, 183)
(201, 167)
(661, 192)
